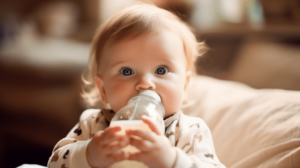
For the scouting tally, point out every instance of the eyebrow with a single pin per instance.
(117, 63)
(165, 60)
(170, 61)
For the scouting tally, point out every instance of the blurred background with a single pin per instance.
(44, 48)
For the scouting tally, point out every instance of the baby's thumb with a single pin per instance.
(152, 125)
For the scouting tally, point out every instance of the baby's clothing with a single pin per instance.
(190, 136)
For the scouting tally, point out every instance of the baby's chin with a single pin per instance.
(169, 114)
(117, 107)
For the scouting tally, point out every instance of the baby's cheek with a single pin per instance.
(118, 96)
(172, 101)
(117, 103)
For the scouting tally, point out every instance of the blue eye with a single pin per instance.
(126, 71)
(161, 70)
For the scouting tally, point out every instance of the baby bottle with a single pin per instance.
(146, 103)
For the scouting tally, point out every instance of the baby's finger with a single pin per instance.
(110, 135)
(104, 141)
(115, 146)
(146, 135)
(115, 128)
(141, 144)
(154, 127)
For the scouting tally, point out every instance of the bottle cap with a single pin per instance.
(151, 93)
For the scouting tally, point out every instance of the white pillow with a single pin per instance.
(31, 166)
(250, 127)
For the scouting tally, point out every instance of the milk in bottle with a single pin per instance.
(147, 103)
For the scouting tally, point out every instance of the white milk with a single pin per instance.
(127, 124)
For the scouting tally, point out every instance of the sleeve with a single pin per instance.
(70, 152)
(195, 147)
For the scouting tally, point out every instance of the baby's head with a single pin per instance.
(142, 47)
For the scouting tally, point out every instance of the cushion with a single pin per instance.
(250, 127)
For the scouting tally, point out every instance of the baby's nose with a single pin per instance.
(145, 82)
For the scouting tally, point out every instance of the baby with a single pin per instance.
(140, 48)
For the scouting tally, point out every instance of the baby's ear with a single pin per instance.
(99, 82)
(188, 77)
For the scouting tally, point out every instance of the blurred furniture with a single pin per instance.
(227, 42)
(38, 106)
(251, 127)
(40, 84)
(269, 20)
(44, 47)
(268, 63)
(23, 9)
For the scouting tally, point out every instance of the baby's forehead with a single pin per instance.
(166, 35)
(164, 47)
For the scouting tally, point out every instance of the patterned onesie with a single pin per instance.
(190, 136)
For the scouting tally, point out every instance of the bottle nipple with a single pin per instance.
(151, 93)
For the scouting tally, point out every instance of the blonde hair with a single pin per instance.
(132, 22)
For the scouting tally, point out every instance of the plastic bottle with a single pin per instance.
(146, 103)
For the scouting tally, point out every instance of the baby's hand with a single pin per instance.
(155, 149)
(104, 148)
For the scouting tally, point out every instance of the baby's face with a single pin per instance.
(154, 61)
